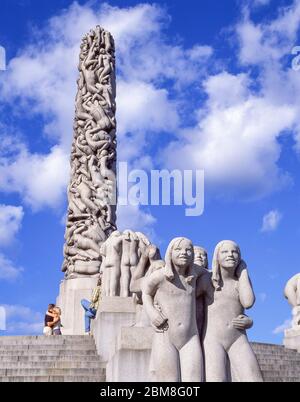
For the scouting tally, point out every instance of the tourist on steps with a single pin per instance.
(90, 307)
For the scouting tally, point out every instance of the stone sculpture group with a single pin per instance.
(198, 315)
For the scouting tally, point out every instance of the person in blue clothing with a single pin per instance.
(91, 307)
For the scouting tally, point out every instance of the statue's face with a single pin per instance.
(229, 256)
(182, 253)
(200, 257)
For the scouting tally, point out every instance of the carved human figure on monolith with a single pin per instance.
(92, 188)
(169, 297)
(228, 291)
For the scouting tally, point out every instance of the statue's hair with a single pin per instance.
(169, 269)
(216, 270)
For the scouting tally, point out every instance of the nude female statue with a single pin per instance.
(169, 297)
(227, 293)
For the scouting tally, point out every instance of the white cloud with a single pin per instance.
(10, 222)
(281, 328)
(133, 218)
(271, 221)
(235, 140)
(8, 270)
(23, 320)
(40, 179)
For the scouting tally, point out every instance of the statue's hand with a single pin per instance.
(159, 321)
(242, 322)
(242, 266)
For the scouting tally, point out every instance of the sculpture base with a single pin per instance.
(113, 314)
(71, 292)
(292, 338)
(129, 360)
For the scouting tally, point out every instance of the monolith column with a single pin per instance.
(91, 215)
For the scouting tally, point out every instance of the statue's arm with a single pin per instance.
(149, 288)
(246, 293)
(138, 274)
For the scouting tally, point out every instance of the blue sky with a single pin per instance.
(201, 85)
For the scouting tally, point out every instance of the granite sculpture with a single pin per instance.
(92, 189)
(169, 298)
(228, 292)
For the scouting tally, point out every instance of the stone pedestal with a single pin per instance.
(129, 358)
(113, 314)
(292, 338)
(71, 292)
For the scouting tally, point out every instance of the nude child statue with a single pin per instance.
(228, 291)
(169, 297)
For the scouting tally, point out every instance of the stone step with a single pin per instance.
(47, 340)
(52, 364)
(53, 379)
(27, 338)
(281, 379)
(281, 367)
(53, 353)
(281, 373)
(46, 347)
(278, 358)
(73, 372)
(44, 358)
(278, 353)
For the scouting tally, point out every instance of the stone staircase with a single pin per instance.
(49, 359)
(277, 363)
(74, 358)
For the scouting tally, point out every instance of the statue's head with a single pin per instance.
(227, 256)
(200, 257)
(179, 254)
